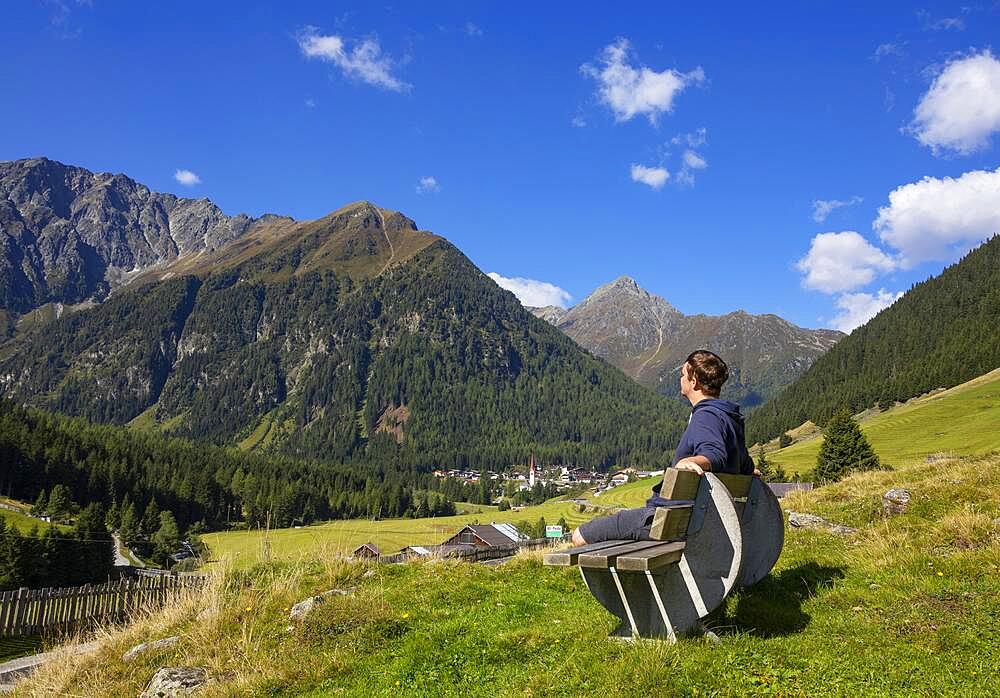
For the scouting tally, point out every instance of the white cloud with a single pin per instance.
(694, 161)
(937, 219)
(579, 122)
(931, 24)
(310, 103)
(428, 185)
(187, 178)
(684, 178)
(655, 177)
(695, 139)
(473, 30)
(630, 90)
(888, 49)
(824, 207)
(363, 62)
(842, 261)
(858, 308)
(961, 110)
(533, 293)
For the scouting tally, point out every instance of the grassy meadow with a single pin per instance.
(907, 606)
(964, 420)
(21, 521)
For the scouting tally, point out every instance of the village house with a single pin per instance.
(366, 550)
(487, 536)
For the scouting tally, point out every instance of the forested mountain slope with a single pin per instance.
(942, 332)
(354, 337)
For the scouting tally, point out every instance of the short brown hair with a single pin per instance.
(710, 370)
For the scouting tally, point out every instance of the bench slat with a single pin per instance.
(651, 558)
(606, 557)
(671, 522)
(679, 484)
(567, 558)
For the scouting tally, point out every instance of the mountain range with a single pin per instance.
(354, 336)
(649, 339)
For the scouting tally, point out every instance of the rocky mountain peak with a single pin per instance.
(69, 235)
(647, 338)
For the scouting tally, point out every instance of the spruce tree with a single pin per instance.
(151, 519)
(129, 527)
(60, 505)
(166, 539)
(40, 504)
(844, 450)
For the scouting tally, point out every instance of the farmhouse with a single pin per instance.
(366, 550)
(486, 536)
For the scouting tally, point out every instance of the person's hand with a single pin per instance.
(688, 464)
(756, 472)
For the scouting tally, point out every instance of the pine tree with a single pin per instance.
(166, 539)
(40, 504)
(844, 450)
(151, 519)
(129, 527)
(60, 505)
(768, 471)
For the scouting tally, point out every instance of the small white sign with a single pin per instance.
(553, 531)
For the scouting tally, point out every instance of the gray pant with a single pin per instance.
(629, 524)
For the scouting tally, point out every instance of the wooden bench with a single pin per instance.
(722, 531)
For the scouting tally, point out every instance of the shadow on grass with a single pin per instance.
(773, 606)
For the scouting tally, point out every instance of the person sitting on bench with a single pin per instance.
(713, 441)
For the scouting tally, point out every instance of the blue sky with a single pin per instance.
(811, 160)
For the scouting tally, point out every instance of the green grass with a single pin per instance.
(964, 420)
(908, 606)
(23, 522)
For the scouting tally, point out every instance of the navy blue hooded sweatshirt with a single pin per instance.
(715, 431)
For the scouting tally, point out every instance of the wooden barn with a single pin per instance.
(366, 550)
(486, 536)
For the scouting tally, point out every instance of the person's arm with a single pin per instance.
(696, 463)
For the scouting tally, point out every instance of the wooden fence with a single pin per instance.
(34, 611)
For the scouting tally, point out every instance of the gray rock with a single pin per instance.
(801, 520)
(306, 606)
(175, 681)
(896, 501)
(73, 235)
(150, 646)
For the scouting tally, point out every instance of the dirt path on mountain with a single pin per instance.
(392, 249)
(659, 345)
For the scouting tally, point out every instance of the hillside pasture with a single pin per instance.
(961, 421)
